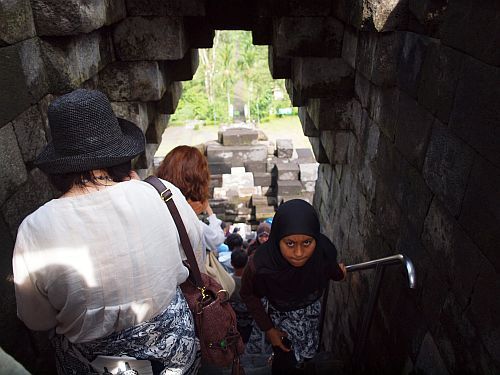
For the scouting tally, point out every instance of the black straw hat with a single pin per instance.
(87, 135)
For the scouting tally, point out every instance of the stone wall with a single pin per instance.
(400, 100)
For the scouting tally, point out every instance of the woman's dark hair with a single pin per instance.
(239, 259)
(187, 168)
(64, 182)
(234, 240)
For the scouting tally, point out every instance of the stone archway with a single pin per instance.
(400, 100)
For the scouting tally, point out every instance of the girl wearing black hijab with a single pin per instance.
(291, 270)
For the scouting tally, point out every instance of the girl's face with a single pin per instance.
(263, 237)
(297, 248)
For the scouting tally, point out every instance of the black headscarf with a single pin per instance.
(288, 286)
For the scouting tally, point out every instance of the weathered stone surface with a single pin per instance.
(156, 128)
(473, 29)
(480, 214)
(349, 46)
(280, 67)
(447, 167)
(287, 171)
(236, 154)
(293, 187)
(136, 112)
(166, 8)
(168, 103)
(257, 166)
(429, 13)
(228, 15)
(200, 32)
(34, 192)
(262, 32)
(16, 21)
(131, 81)
(305, 155)
(262, 178)
(146, 159)
(12, 170)
(318, 150)
(183, 69)
(284, 148)
(308, 126)
(413, 130)
(316, 77)
(476, 110)
(71, 17)
(23, 78)
(295, 97)
(337, 145)
(367, 43)
(412, 56)
(30, 133)
(72, 60)
(152, 38)
(263, 212)
(219, 167)
(308, 172)
(308, 36)
(330, 113)
(301, 8)
(238, 137)
(383, 107)
(386, 59)
(235, 180)
(439, 78)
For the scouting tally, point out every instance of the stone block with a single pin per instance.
(316, 77)
(280, 67)
(447, 167)
(237, 155)
(330, 113)
(439, 77)
(200, 32)
(476, 111)
(136, 112)
(480, 211)
(238, 171)
(472, 29)
(23, 77)
(309, 186)
(166, 8)
(318, 150)
(301, 8)
(152, 38)
(228, 15)
(238, 137)
(383, 107)
(262, 31)
(33, 193)
(284, 148)
(16, 22)
(257, 166)
(414, 125)
(30, 133)
(168, 103)
(305, 155)
(308, 172)
(12, 170)
(262, 179)
(263, 212)
(56, 18)
(285, 188)
(216, 180)
(295, 96)
(308, 36)
(130, 81)
(337, 145)
(271, 163)
(237, 180)
(146, 159)
(386, 59)
(72, 60)
(429, 14)
(308, 126)
(287, 171)
(156, 128)
(410, 65)
(362, 89)
(259, 200)
(349, 46)
(183, 69)
(219, 167)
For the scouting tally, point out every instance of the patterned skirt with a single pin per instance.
(302, 326)
(168, 341)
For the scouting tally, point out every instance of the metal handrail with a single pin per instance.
(379, 265)
(394, 259)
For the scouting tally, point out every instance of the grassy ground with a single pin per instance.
(285, 127)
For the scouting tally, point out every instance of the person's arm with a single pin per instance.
(338, 272)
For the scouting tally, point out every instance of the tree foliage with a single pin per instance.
(232, 62)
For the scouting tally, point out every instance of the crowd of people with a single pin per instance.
(100, 267)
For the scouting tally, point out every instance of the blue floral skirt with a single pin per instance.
(168, 341)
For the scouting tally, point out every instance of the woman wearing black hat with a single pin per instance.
(291, 270)
(100, 266)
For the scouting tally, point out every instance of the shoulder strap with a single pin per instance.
(166, 195)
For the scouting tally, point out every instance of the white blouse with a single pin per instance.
(94, 264)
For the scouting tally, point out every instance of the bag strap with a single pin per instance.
(166, 195)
